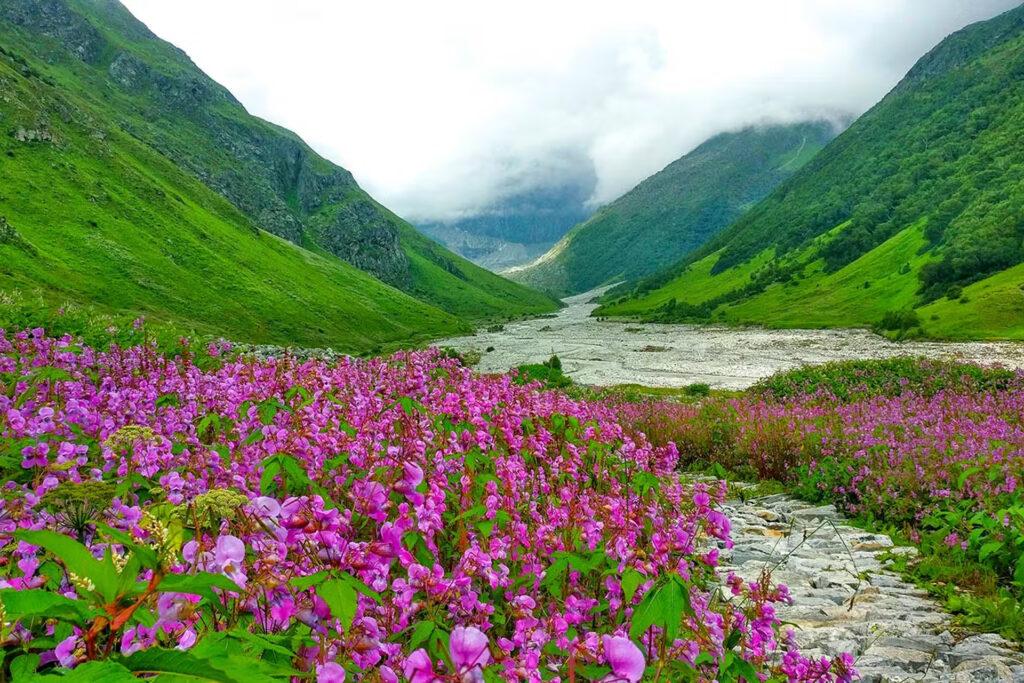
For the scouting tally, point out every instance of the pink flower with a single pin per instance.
(468, 647)
(625, 659)
(419, 669)
(331, 672)
(229, 554)
(65, 651)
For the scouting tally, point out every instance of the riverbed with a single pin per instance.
(608, 353)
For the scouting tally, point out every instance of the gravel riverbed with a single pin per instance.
(610, 352)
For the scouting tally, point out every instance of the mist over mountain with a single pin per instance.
(519, 227)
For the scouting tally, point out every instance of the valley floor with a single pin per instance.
(602, 352)
(845, 600)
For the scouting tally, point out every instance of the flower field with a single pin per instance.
(225, 519)
(934, 450)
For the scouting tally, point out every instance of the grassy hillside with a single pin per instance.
(916, 212)
(92, 215)
(676, 210)
(112, 70)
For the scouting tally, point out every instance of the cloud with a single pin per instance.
(442, 109)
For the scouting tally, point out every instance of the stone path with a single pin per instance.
(846, 601)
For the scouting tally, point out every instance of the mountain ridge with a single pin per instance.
(675, 209)
(937, 157)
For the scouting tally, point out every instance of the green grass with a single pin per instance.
(695, 284)
(458, 286)
(992, 309)
(858, 294)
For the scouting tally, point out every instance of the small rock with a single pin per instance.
(33, 135)
(987, 670)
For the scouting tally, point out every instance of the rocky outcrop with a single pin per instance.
(10, 236)
(55, 20)
(361, 234)
(32, 135)
(129, 72)
(266, 172)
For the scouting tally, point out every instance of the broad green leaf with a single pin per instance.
(988, 549)
(341, 598)
(304, 582)
(182, 665)
(77, 558)
(200, 584)
(104, 671)
(420, 633)
(631, 580)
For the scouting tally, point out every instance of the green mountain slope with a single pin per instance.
(918, 206)
(99, 57)
(677, 209)
(92, 215)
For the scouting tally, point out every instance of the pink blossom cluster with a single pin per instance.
(499, 530)
(904, 458)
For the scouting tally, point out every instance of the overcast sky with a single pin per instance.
(442, 107)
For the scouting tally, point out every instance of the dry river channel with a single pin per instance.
(607, 353)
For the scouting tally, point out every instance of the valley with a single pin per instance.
(759, 418)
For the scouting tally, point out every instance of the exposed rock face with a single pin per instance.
(7, 233)
(33, 135)
(360, 234)
(10, 236)
(55, 20)
(130, 72)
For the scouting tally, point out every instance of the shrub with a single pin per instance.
(900, 321)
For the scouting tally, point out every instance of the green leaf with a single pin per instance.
(171, 400)
(94, 672)
(593, 672)
(408, 405)
(988, 549)
(965, 475)
(182, 665)
(631, 580)
(76, 558)
(269, 409)
(259, 642)
(733, 639)
(646, 614)
(363, 588)
(554, 577)
(341, 598)
(420, 633)
(24, 667)
(304, 582)
(254, 436)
